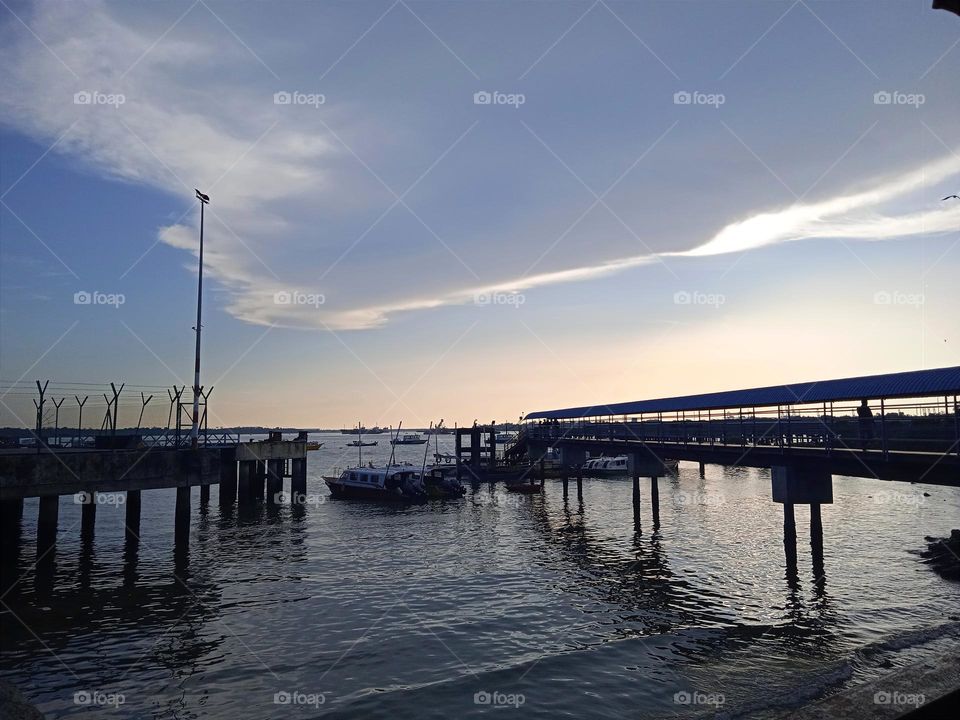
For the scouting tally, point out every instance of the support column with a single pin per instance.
(11, 512)
(702, 470)
(228, 480)
(816, 539)
(259, 480)
(204, 494)
(132, 521)
(636, 491)
(543, 472)
(298, 481)
(565, 483)
(790, 536)
(245, 482)
(182, 519)
(88, 515)
(655, 500)
(274, 480)
(47, 522)
(580, 483)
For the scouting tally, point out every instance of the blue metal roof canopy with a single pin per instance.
(916, 383)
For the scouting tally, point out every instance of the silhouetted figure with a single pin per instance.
(865, 415)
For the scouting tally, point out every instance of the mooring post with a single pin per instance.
(543, 472)
(298, 483)
(274, 480)
(636, 490)
(49, 512)
(580, 482)
(182, 519)
(702, 469)
(565, 483)
(816, 538)
(132, 521)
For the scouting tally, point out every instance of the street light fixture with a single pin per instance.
(195, 430)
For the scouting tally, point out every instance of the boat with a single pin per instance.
(375, 430)
(618, 467)
(408, 439)
(360, 443)
(441, 482)
(393, 483)
(313, 445)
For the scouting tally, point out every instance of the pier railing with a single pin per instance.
(926, 425)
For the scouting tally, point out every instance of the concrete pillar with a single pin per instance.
(790, 536)
(274, 480)
(11, 512)
(816, 539)
(228, 480)
(259, 480)
(88, 515)
(245, 482)
(182, 519)
(49, 513)
(204, 494)
(132, 522)
(298, 480)
(655, 500)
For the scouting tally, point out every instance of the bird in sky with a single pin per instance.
(951, 197)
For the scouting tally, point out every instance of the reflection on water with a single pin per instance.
(582, 605)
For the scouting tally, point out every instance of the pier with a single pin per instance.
(894, 427)
(246, 473)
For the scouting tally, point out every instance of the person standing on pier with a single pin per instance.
(865, 415)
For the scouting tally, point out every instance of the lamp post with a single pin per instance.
(194, 432)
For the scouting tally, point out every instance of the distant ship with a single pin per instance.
(409, 439)
(375, 430)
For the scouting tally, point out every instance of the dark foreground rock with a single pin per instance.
(943, 555)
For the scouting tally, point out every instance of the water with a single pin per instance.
(563, 608)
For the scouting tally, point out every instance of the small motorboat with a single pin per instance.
(395, 483)
(408, 439)
(440, 483)
(313, 445)
(609, 467)
(360, 443)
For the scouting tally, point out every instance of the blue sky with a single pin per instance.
(590, 238)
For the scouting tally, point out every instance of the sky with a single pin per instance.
(473, 210)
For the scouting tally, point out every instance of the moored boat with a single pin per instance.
(360, 443)
(396, 483)
(605, 467)
(313, 445)
(408, 439)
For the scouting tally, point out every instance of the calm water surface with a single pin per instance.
(565, 608)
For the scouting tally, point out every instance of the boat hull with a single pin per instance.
(345, 491)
